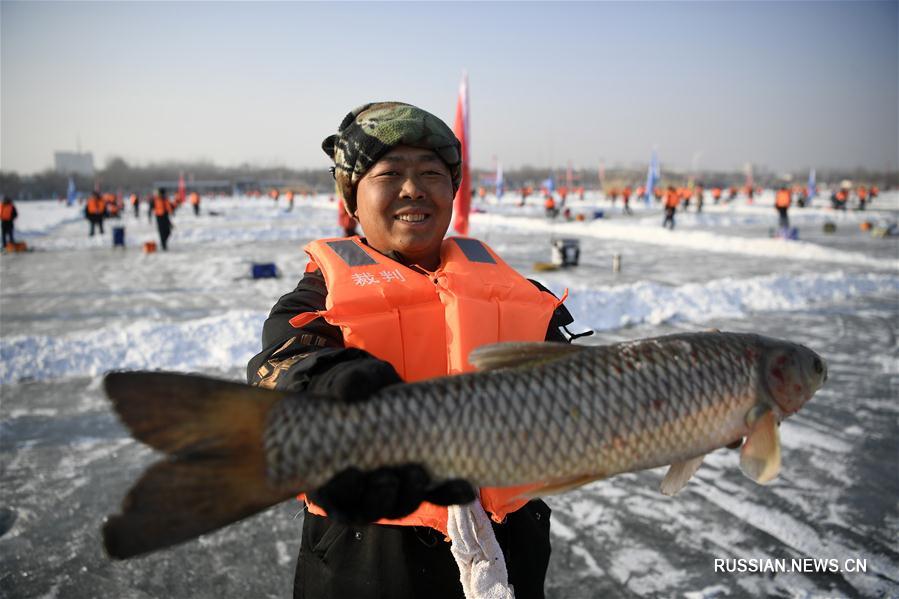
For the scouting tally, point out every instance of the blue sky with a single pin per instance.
(711, 84)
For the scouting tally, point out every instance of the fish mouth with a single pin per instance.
(818, 371)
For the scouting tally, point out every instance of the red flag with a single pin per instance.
(460, 128)
(181, 188)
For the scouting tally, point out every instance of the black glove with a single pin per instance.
(356, 497)
(353, 496)
(352, 375)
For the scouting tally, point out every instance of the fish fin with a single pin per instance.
(554, 487)
(511, 355)
(216, 470)
(175, 412)
(760, 454)
(678, 475)
(179, 500)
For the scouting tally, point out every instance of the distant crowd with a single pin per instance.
(98, 207)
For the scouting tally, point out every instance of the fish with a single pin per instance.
(551, 415)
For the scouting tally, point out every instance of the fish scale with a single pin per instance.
(599, 411)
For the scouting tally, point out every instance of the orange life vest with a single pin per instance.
(161, 206)
(426, 326)
(194, 198)
(134, 199)
(782, 199)
(95, 206)
(6, 212)
(672, 199)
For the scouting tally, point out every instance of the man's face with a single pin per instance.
(405, 202)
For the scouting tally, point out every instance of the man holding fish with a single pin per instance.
(400, 304)
(355, 408)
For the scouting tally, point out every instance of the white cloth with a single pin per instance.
(482, 567)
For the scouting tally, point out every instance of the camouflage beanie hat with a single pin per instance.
(372, 130)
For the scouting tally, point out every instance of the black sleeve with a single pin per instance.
(280, 363)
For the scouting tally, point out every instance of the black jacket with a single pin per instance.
(372, 561)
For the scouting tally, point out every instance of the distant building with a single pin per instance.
(78, 163)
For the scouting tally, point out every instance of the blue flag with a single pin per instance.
(500, 187)
(71, 193)
(549, 183)
(652, 176)
(812, 188)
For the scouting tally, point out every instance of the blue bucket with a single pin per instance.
(264, 270)
(118, 237)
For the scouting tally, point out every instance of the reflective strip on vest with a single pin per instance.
(351, 253)
(426, 326)
(474, 250)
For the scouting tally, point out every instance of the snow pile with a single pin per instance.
(222, 342)
(645, 302)
(228, 340)
(697, 240)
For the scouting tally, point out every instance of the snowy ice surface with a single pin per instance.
(75, 308)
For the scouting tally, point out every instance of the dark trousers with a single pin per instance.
(8, 227)
(196, 210)
(165, 229)
(669, 218)
(96, 221)
(783, 219)
(410, 562)
(136, 210)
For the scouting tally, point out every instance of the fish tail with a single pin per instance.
(214, 472)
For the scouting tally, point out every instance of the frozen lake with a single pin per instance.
(75, 308)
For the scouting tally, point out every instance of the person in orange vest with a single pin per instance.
(524, 192)
(684, 193)
(162, 210)
(716, 195)
(875, 191)
(95, 211)
(841, 199)
(274, 194)
(289, 197)
(549, 206)
(672, 199)
(194, 199)
(134, 199)
(613, 195)
(782, 201)
(111, 205)
(402, 304)
(8, 215)
(699, 192)
(862, 194)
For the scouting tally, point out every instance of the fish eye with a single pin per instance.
(818, 366)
